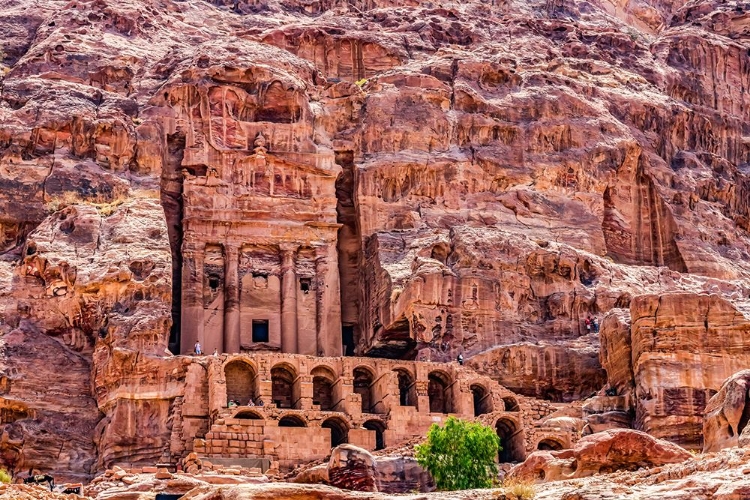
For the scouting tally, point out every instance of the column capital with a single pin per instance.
(288, 247)
(231, 248)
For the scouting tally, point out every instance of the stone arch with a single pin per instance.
(511, 403)
(407, 390)
(439, 391)
(550, 443)
(482, 399)
(323, 380)
(379, 428)
(248, 415)
(511, 440)
(284, 386)
(241, 381)
(339, 430)
(363, 380)
(292, 421)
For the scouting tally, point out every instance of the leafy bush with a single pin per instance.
(4, 476)
(460, 455)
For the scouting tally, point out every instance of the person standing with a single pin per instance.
(197, 348)
(595, 323)
(460, 359)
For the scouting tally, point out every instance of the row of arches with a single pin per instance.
(338, 426)
(241, 384)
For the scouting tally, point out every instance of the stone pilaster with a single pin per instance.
(192, 298)
(288, 300)
(329, 301)
(231, 300)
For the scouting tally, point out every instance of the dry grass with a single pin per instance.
(69, 198)
(515, 489)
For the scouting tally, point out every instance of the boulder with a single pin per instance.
(352, 468)
(727, 414)
(604, 452)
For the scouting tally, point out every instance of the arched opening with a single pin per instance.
(511, 404)
(511, 441)
(363, 379)
(292, 421)
(241, 382)
(323, 380)
(283, 379)
(549, 444)
(407, 393)
(379, 428)
(482, 400)
(339, 430)
(439, 392)
(248, 415)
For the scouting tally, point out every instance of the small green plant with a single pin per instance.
(460, 455)
(515, 489)
(5, 476)
(361, 83)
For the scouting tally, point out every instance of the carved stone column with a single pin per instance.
(192, 298)
(231, 300)
(329, 301)
(288, 300)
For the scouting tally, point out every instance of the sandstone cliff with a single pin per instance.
(506, 169)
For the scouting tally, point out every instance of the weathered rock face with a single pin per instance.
(727, 414)
(352, 468)
(670, 355)
(608, 451)
(499, 171)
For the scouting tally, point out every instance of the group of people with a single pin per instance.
(592, 324)
(235, 402)
(198, 349)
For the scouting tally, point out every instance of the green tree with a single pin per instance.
(460, 455)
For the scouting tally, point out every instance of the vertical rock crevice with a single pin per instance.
(349, 251)
(638, 227)
(171, 201)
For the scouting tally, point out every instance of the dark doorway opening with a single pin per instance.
(511, 441)
(260, 330)
(339, 431)
(379, 428)
(347, 339)
(291, 421)
(482, 400)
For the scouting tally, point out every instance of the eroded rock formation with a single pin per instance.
(608, 451)
(381, 177)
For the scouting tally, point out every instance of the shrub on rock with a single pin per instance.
(460, 455)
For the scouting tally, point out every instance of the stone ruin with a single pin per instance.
(311, 404)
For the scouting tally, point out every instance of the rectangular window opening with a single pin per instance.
(260, 330)
(305, 284)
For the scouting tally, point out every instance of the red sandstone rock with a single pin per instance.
(727, 414)
(602, 452)
(505, 170)
(352, 468)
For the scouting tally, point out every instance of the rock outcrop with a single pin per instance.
(603, 452)
(727, 414)
(669, 356)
